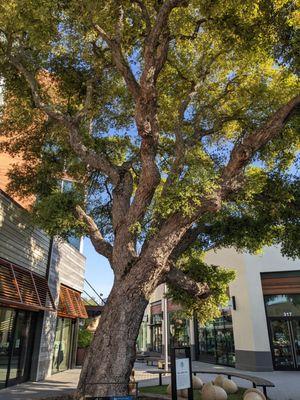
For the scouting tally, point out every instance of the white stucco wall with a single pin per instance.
(249, 319)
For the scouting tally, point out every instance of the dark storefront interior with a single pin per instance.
(283, 312)
(216, 343)
(70, 309)
(178, 330)
(16, 340)
(62, 344)
(282, 302)
(23, 295)
(156, 333)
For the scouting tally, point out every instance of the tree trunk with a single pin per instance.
(107, 367)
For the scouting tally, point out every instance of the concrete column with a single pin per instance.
(252, 347)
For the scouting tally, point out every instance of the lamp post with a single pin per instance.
(165, 327)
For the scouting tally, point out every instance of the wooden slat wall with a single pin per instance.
(19, 242)
(281, 285)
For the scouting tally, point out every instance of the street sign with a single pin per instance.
(183, 380)
(181, 371)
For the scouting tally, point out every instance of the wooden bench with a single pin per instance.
(256, 381)
(151, 360)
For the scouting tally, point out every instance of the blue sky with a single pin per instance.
(98, 271)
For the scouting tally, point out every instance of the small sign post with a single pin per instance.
(181, 371)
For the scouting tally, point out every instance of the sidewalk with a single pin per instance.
(55, 385)
(287, 383)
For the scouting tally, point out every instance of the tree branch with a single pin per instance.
(145, 15)
(88, 100)
(179, 279)
(88, 156)
(101, 246)
(244, 151)
(120, 62)
(186, 241)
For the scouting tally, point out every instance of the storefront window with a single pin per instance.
(216, 343)
(156, 333)
(179, 330)
(16, 340)
(283, 305)
(141, 343)
(6, 327)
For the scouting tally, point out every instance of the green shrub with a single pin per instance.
(84, 338)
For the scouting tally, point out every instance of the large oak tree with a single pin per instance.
(177, 122)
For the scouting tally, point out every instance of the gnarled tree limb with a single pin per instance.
(100, 244)
(179, 279)
(244, 151)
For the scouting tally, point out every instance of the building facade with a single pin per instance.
(40, 306)
(258, 331)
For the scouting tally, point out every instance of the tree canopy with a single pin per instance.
(177, 122)
(81, 76)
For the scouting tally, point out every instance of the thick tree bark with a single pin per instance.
(107, 368)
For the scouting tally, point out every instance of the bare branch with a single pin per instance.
(101, 246)
(179, 279)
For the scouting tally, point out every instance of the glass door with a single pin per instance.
(62, 345)
(281, 343)
(7, 318)
(21, 350)
(285, 340)
(16, 341)
(295, 330)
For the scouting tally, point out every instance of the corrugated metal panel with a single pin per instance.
(19, 242)
(69, 264)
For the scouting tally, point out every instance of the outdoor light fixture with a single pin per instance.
(233, 302)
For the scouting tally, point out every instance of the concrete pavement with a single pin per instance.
(56, 385)
(287, 383)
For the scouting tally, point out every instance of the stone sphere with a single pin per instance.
(169, 389)
(219, 380)
(180, 393)
(197, 383)
(211, 392)
(183, 393)
(253, 394)
(229, 386)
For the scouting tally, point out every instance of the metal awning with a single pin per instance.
(70, 303)
(22, 288)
